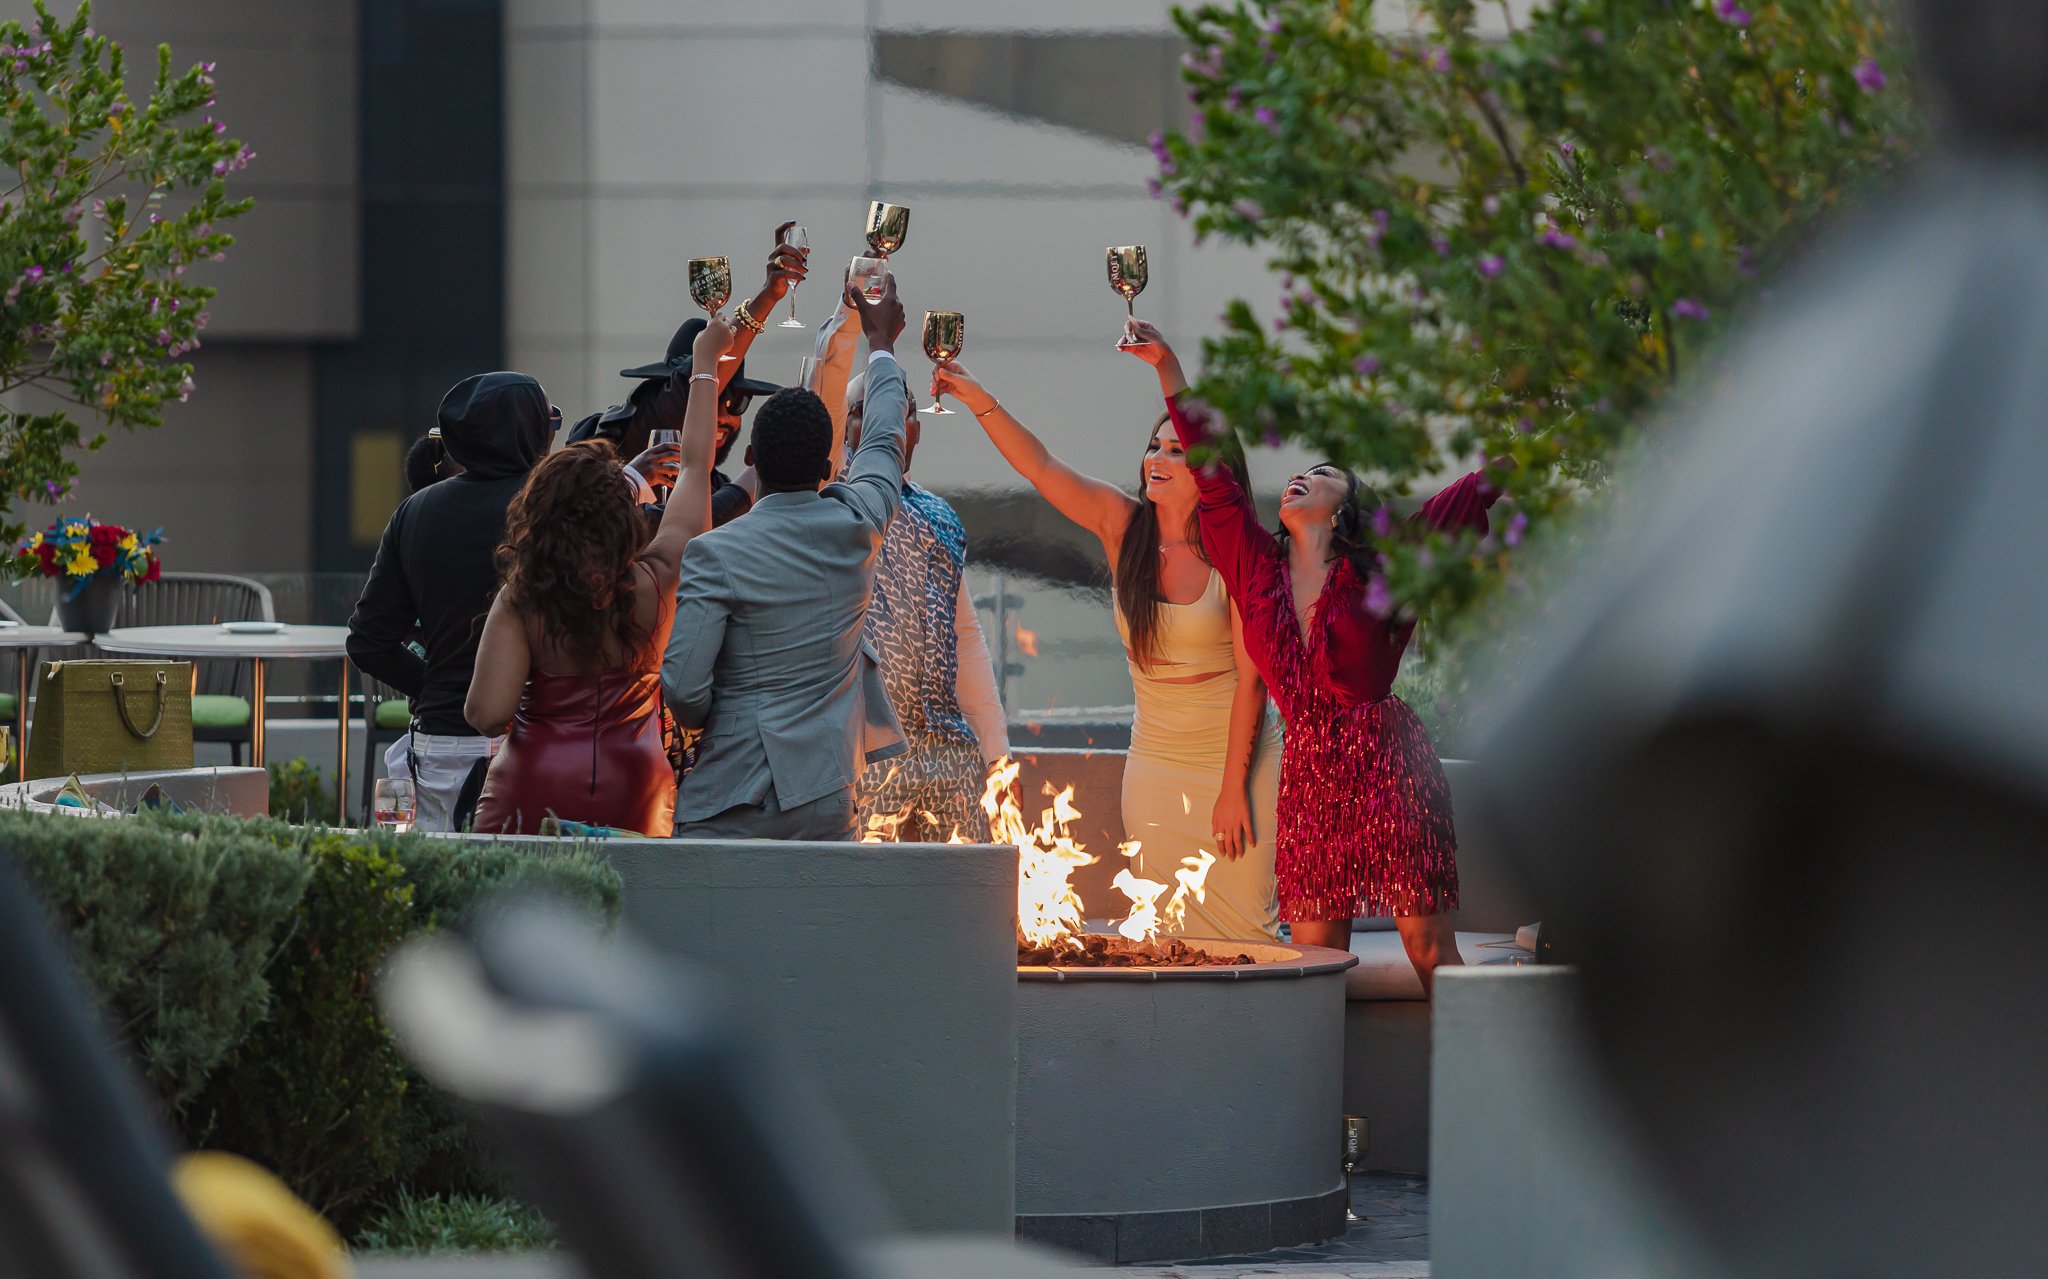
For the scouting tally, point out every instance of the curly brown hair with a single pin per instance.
(571, 539)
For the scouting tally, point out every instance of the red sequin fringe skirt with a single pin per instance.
(1365, 816)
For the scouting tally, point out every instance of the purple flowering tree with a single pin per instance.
(1513, 246)
(105, 201)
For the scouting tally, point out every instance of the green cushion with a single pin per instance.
(395, 712)
(212, 710)
(6, 706)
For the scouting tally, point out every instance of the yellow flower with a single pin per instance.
(130, 542)
(81, 563)
(36, 542)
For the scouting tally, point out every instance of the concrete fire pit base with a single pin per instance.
(1173, 1114)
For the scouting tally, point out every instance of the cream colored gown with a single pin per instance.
(1175, 770)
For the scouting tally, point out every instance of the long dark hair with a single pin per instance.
(1138, 560)
(1351, 535)
(571, 538)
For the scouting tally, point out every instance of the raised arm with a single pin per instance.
(786, 267)
(873, 483)
(1096, 505)
(1462, 505)
(503, 660)
(832, 366)
(975, 685)
(1236, 543)
(689, 506)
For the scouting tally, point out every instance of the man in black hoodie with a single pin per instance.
(434, 574)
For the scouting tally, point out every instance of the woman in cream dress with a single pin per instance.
(1204, 766)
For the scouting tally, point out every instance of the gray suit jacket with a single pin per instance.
(767, 653)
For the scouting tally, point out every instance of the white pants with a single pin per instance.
(438, 767)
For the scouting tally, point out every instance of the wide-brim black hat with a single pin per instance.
(678, 357)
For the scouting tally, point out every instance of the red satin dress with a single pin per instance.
(587, 748)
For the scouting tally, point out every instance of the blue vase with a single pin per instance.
(91, 612)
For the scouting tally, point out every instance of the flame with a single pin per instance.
(1027, 640)
(1050, 913)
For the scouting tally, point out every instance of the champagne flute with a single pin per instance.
(796, 238)
(711, 285)
(1127, 274)
(804, 371)
(662, 437)
(945, 333)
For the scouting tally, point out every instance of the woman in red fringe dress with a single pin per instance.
(1365, 814)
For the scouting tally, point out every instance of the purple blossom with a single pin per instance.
(1565, 148)
(1273, 26)
(1234, 99)
(1249, 209)
(1382, 523)
(1439, 60)
(1688, 309)
(163, 337)
(1272, 437)
(53, 489)
(1870, 76)
(1367, 365)
(1198, 124)
(1553, 238)
(1180, 206)
(1525, 425)
(106, 358)
(1265, 116)
(116, 109)
(33, 275)
(1158, 144)
(1378, 600)
(1595, 35)
(1492, 265)
(1517, 526)
(1441, 245)
(1659, 161)
(1491, 205)
(1732, 13)
(1154, 188)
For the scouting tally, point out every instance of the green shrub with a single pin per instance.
(317, 1091)
(448, 877)
(237, 956)
(454, 1223)
(298, 793)
(172, 927)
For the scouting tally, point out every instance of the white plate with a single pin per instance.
(253, 628)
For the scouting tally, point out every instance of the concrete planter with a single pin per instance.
(884, 975)
(1179, 1113)
(237, 792)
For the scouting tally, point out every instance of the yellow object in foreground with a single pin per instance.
(257, 1225)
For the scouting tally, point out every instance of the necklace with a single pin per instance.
(1164, 547)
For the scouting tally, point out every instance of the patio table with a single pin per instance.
(26, 639)
(305, 643)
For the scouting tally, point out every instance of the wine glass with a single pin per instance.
(804, 371)
(392, 804)
(868, 275)
(945, 333)
(711, 285)
(1127, 274)
(796, 238)
(663, 437)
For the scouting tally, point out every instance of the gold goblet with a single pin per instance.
(1127, 275)
(888, 224)
(711, 285)
(945, 333)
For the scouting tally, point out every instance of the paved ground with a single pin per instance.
(1392, 1242)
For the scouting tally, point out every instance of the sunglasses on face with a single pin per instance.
(554, 418)
(734, 403)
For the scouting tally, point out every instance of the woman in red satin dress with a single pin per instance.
(1365, 814)
(569, 667)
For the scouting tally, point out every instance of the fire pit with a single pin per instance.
(1177, 1097)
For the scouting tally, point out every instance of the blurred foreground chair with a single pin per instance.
(83, 1189)
(659, 1139)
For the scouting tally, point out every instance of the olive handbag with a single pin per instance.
(111, 717)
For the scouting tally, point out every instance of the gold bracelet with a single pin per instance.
(745, 318)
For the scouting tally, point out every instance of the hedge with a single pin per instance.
(237, 958)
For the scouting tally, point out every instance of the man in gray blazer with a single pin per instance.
(767, 654)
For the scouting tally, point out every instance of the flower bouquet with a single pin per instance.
(95, 561)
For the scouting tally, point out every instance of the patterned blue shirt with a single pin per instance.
(911, 619)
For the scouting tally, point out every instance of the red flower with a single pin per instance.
(156, 569)
(104, 553)
(48, 555)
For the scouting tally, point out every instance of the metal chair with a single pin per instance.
(221, 709)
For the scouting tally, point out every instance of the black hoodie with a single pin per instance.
(434, 569)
